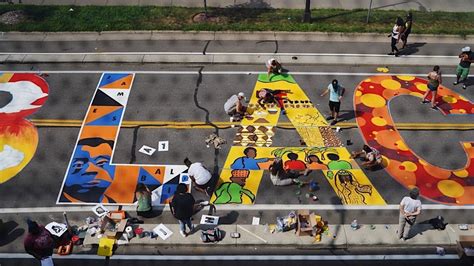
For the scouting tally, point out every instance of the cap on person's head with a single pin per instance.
(33, 227)
(241, 94)
(466, 49)
(414, 193)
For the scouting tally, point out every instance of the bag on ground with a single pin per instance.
(211, 235)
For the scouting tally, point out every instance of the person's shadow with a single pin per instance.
(412, 48)
(421, 227)
(9, 232)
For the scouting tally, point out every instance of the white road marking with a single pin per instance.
(230, 207)
(301, 73)
(231, 53)
(252, 234)
(240, 257)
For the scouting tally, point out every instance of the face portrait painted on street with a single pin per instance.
(90, 173)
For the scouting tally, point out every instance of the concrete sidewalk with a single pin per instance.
(338, 236)
(200, 48)
(420, 5)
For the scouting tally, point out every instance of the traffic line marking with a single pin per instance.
(241, 258)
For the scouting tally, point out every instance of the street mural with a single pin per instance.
(252, 153)
(18, 136)
(371, 103)
(91, 176)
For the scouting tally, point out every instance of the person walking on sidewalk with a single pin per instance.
(397, 31)
(462, 71)
(336, 92)
(407, 31)
(434, 79)
(182, 207)
(200, 176)
(410, 208)
(143, 196)
(39, 243)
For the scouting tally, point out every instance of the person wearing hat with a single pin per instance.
(235, 107)
(39, 243)
(336, 92)
(462, 71)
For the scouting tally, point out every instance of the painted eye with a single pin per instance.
(102, 162)
(78, 165)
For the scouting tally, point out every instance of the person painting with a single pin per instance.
(200, 176)
(235, 107)
(407, 31)
(278, 175)
(397, 31)
(273, 66)
(143, 196)
(371, 156)
(267, 96)
(434, 79)
(336, 92)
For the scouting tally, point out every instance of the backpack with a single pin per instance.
(211, 235)
(438, 223)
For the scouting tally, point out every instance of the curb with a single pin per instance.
(228, 58)
(226, 36)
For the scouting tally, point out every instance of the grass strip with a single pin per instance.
(115, 18)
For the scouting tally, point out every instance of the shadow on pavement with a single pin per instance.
(9, 232)
(412, 48)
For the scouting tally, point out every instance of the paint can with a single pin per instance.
(129, 232)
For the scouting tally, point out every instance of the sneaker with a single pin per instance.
(397, 55)
(183, 233)
(464, 87)
(330, 117)
(434, 107)
(391, 53)
(456, 83)
(333, 122)
(425, 101)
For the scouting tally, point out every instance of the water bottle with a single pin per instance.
(354, 225)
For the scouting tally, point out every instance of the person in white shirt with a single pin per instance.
(273, 66)
(200, 176)
(410, 208)
(235, 107)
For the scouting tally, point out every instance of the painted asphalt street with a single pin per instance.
(175, 96)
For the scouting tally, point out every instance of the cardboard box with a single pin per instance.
(113, 228)
(306, 221)
(465, 246)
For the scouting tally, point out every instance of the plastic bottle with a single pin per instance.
(354, 225)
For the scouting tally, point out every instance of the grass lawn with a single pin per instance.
(112, 18)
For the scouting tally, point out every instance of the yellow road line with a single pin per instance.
(199, 124)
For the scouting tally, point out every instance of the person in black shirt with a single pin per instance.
(182, 207)
(408, 24)
(462, 71)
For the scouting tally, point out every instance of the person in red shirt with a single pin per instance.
(39, 243)
(293, 166)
